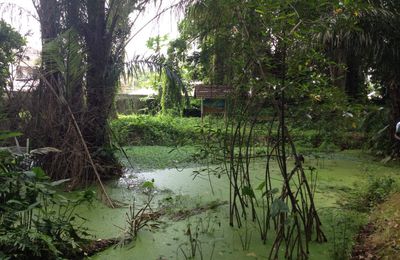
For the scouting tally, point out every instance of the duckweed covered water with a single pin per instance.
(336, 174)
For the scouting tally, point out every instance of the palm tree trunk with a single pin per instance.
(354, 77)
(100, 85)
(338, 73)
(43, 132)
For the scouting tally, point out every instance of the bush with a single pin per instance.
(376, 127)
(35, 221)
(338, 125)
(376, 191)
(155, 130)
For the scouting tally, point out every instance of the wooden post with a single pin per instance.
(202, 109)
(225, 108)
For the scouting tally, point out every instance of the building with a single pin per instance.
(213, 98)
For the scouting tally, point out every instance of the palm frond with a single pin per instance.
(66, 55)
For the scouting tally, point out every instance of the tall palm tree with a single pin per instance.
(83, 50)
(370, 30)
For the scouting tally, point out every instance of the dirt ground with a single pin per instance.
(380, 239)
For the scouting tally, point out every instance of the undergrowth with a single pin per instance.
(342, 226)
(155, 130)
(165, 130)
(374, 192)
(35, 221)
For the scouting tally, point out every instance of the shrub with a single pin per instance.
(373, 193)
(35, 221)
(376, 127)
(155, 130)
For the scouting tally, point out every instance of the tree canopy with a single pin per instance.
(11, 43)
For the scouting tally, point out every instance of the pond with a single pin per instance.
(192, 203)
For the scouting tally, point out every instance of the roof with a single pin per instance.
(212, 91)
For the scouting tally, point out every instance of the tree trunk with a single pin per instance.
(354, 77)
(337, 71)
(96, 84)
(221, 58)
(46, 111)
(53, 124)
(100, 86)
(394, 99)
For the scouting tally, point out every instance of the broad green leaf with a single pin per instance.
(273, 191)
(30, 174)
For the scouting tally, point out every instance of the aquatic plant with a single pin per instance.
(245, 239)
(138, 218)
(193, 245)
(263, 88)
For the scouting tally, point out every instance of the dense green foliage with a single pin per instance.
(365, 37)
(300, 71)
(170, 81)
(155, 130)
(11, 43)
(36, 222)
(172, 131)
(371, 194)
(333, 52)
(344, 226)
